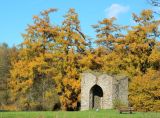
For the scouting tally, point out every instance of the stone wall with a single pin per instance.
(109, 86)
(123, 91)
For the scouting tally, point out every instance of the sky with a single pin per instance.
(15, 15)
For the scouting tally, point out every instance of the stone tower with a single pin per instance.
(99, 91)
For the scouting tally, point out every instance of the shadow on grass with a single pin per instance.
(127, 113)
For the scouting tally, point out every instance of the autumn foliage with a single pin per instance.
(45, 72)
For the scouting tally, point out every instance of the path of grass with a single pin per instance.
(80, 114)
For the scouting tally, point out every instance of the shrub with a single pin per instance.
(117, 103)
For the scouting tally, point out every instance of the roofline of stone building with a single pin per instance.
(115, 76)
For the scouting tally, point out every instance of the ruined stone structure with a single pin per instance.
(100, 91)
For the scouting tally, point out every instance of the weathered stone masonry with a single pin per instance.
(100, 91)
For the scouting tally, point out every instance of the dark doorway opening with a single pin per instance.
(96, 95)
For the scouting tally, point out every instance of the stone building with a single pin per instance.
(100, 91)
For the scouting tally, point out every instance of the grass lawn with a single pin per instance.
(79, 114)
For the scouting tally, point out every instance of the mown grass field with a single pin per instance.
(79, 114)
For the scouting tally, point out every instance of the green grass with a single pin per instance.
(79, 114)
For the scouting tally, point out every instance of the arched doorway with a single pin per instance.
(96, 95)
